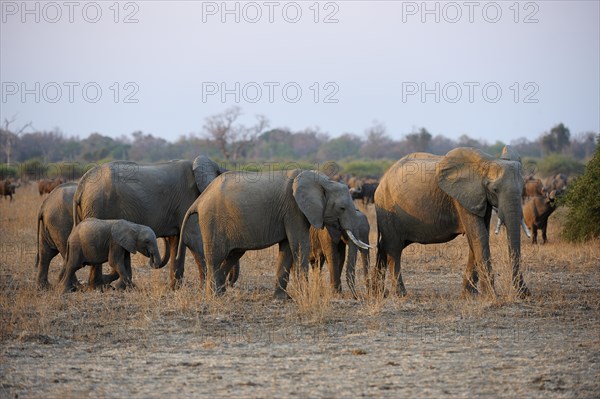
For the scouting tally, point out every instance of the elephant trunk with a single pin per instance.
(513, 232)
(164, 260)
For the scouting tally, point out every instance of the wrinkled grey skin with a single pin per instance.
(243, 211)
(156, 196)
(329, 245)
(94, 241)
(54, 224)
(536, 212)
(429, 199)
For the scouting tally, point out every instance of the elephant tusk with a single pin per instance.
(357, 242)
(525, 229)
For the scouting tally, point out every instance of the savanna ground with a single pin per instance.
(154, 342)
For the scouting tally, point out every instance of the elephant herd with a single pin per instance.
(122, 207)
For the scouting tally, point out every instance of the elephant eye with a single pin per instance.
(342, 208)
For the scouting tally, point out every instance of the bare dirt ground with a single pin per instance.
(153, 342)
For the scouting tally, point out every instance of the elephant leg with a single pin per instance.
(471, 277)
(46, 256)
(393, 261)
(201, 267)
(364, 260)
(332, 257)
(234, 274)
(351, 268)
(176, 266)
(70, 269)
(284, 264)
(96, 280)
(534, 231)
(231, 267)
(121, 266)
(478, 236)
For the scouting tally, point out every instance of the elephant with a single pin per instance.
(54, 224)
(47, 185)
(537, 211)
(156, 195)
(425, 198)
(95, 241)
(7, 189)
(329, 244)
(242, 211)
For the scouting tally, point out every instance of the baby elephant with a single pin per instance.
(95, 241)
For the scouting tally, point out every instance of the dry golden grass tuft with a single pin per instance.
(246, 323)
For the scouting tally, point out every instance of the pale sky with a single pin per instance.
(494, 70)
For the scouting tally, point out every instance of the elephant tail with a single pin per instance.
(76, 206)
(40, 222)
(381, 261)
(192, 209)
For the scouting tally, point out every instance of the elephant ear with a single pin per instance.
(510, 154)
(310, 197)
(461, 174)
(205, 171)
(125, 235)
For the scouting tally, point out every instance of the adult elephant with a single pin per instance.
(156, 195)
(329, 245)
(243, 211)
(54, 224)
(428, 199)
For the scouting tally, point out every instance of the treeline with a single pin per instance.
(225, 139)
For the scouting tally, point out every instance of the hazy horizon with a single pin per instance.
(490, 70)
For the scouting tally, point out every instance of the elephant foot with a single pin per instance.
(123, 285)
(281, 295)
(43, 285)
(109, 278)
(68, 289)
(469, 292)
(401, 290)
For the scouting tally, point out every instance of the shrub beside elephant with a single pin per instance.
(536, 212)
(94, 241)
(156, 196)
(424, 198)
(329, 245)
(242, 211)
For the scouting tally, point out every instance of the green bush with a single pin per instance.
(583, 200)
(556, 163)
(366, 168)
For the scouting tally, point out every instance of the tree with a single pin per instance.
(418, 142)
(557, 141)
(345, 146)
(378, 142)
(583, 200)
(8, 138)
(233, 139)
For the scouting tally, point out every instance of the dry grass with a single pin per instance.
(145, 341)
